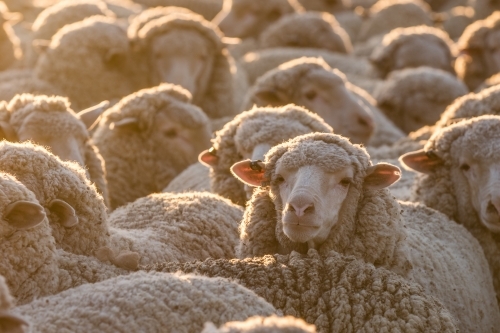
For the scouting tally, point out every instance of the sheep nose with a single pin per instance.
(366, 122)
(494, 206)
(301, 207)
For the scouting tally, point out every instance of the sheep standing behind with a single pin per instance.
(459, 167)
(9, 323)
(256, 324)
(145, 302)
(206, 8)
(10, 47)
(321, 191)
(22, 81)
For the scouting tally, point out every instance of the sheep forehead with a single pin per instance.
(188, 41)
(478, 144)
(51, 124)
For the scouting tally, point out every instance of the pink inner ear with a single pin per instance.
(381, 176)
(421, 161)
(208, 158)
(248, 175)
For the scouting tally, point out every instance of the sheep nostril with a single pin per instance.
(492, 209)
(291, 208)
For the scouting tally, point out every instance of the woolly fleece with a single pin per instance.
(150, 161)
(218, 99)
(335, 293)
(371, 227)
(145, 302)
(249, 129)
(257, 324)
(207, 8)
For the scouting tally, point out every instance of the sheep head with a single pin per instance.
(467, 153)
(314, 183)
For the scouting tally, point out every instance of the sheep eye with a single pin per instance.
(310, 95)
(172, 133)
(464, 167)
(345, 182)
(279, 179)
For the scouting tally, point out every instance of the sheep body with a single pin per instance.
(256, 324)
(195, 178)
(207, 8)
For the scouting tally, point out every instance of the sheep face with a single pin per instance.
(188, 64)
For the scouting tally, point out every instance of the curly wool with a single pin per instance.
(383, 55)
(218, 100)
(86, 61)
(387, 15)
(424, 84)
(336, 293)
(439, 189)
(55, 115)
(310, 30)
(249, 129)
(257, 324)
(146, 166)
(30, 262)
(150, 302)
(177, 227)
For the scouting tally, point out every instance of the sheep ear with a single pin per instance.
(92, 115)
(421, 161)
(24, 214)
(249, 172)
(126, 123)
(381, 176)
(271, 97)
(66, 213)
(10, 323)
(209, 158)
(40, 45)
(7, 132)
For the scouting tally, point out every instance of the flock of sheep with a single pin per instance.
(251, 166)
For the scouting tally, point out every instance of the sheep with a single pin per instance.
(10, 48)
(329, 6)
(187, 50)
(479, 56)
(414, 47)
(248, 19)
(145, 302)
(310, 30)
(88, 60)
(387, 15)
(163, 133)
(312, 83)
(194, 178)
(458, 166)
(30, 263)
(18, 81)
(320, 191)
(206, 8)
(50, 121)
(9, 323)
(335, 293)
(259, 324)
(250, 135)
(416, 97)
(456, 21)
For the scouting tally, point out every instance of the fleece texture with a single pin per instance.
(249, 129)
(87, 60)
(336, 293)
(310, 30)
(54, 115)
(207, 8)
(474, 46)
(445, 189)
(145, 302)
(150, 160)
(383, 56)
(177, 227)
(258, 324)
(371, 227)
(218, 99)
(16, 81)
(30, 262)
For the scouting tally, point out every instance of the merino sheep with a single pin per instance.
(336, 293)
(272, 324)
(248, 18)
(9, 323)
(414, 47)
(49, 121)
(456, 21)
(479, 48)
(10, 48)
(30, 262)
(20, 81)
(145, 302)
(311, 30)
(88, 60)
(315, 85)
(387, 15)
(163, 134)
(459, 167)
(185, 49)
(321, 191)
(416, 97)
(206, 8)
